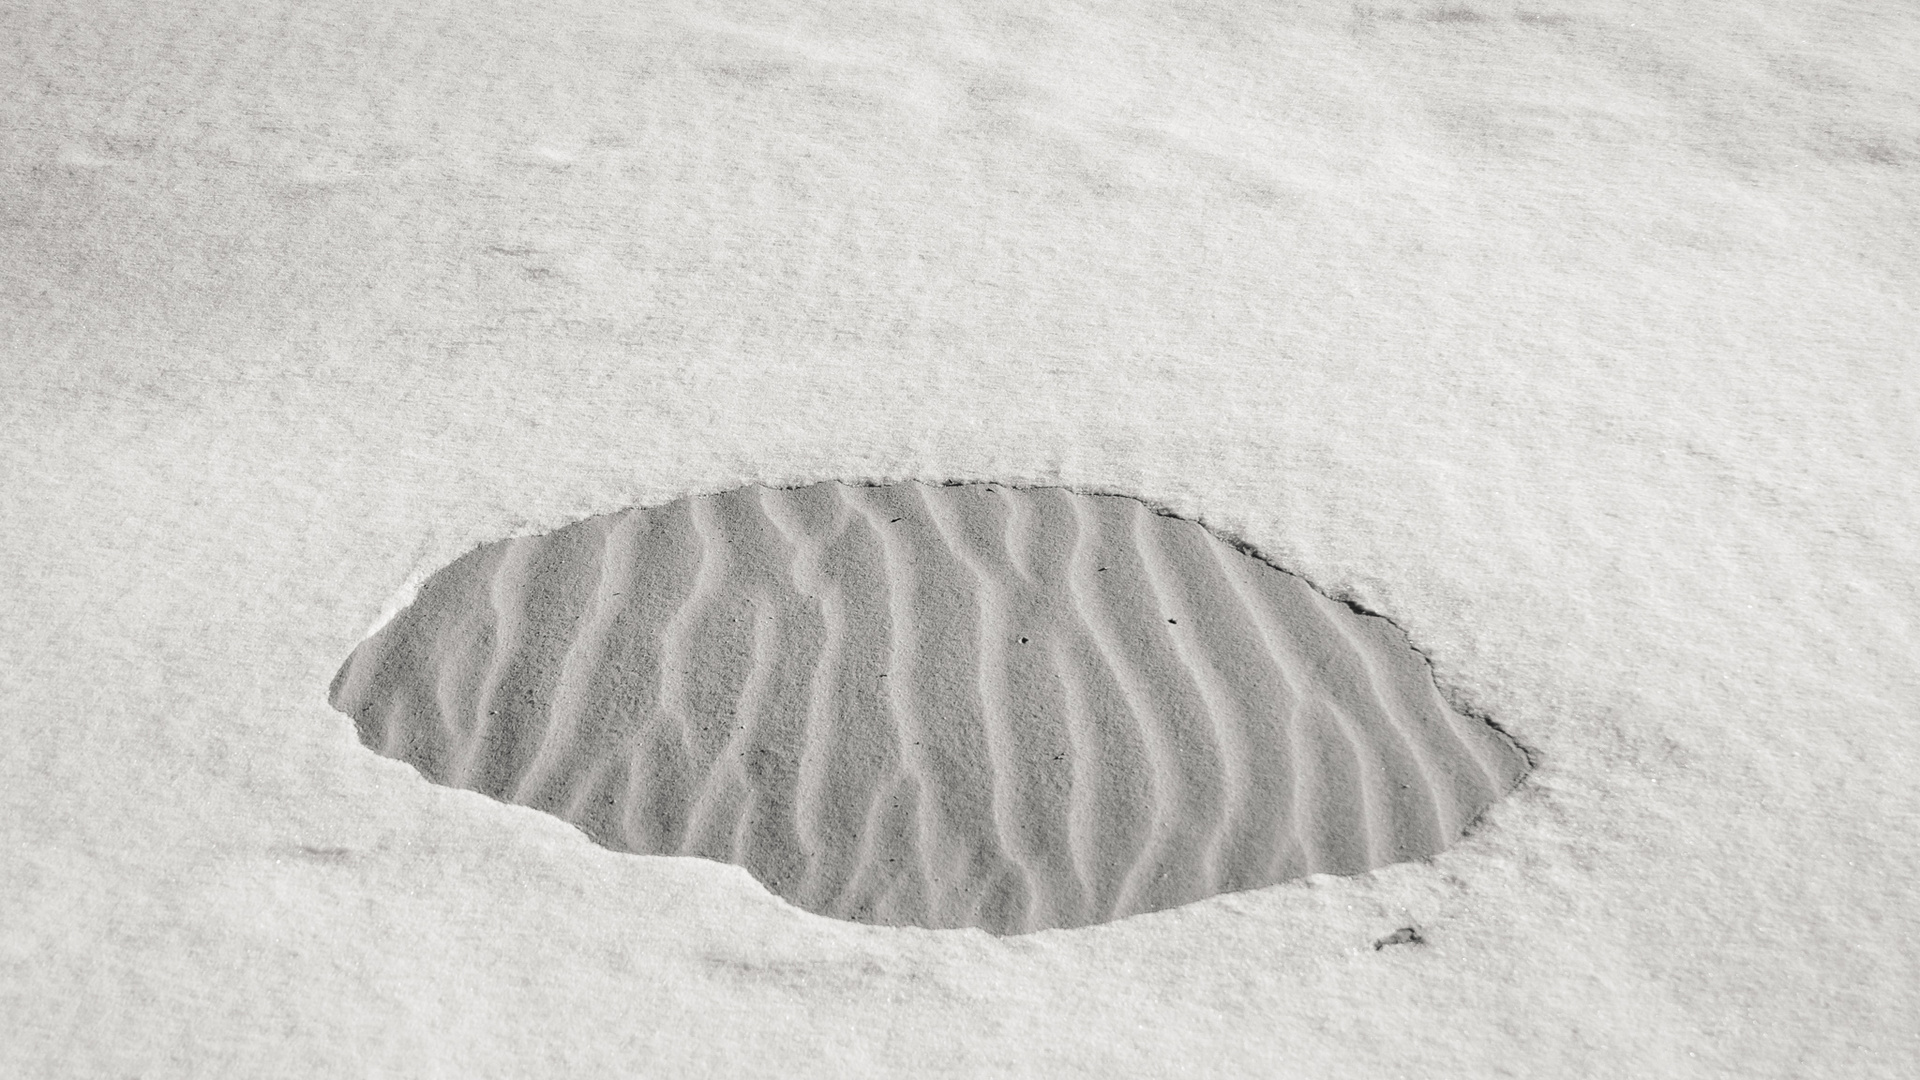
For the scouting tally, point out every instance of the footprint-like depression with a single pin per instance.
(942, 706)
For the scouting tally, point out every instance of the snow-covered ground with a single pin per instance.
(1578, 338)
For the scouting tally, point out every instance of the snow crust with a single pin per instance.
(1575, 338)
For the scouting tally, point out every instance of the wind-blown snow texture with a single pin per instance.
(1576, 337)
(969, 705)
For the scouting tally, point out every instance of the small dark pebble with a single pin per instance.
(1406, 935)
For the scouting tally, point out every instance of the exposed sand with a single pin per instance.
(1007, 708)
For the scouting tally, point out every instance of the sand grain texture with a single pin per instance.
(1006, 708)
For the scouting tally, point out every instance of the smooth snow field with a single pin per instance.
(1574, 340)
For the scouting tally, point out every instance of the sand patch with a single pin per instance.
(974, 705)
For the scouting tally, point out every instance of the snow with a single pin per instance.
(1575, 338)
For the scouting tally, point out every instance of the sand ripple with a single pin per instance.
(1006, 708)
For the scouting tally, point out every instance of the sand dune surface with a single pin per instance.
(945, 706)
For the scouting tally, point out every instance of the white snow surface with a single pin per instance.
(1576, 338)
